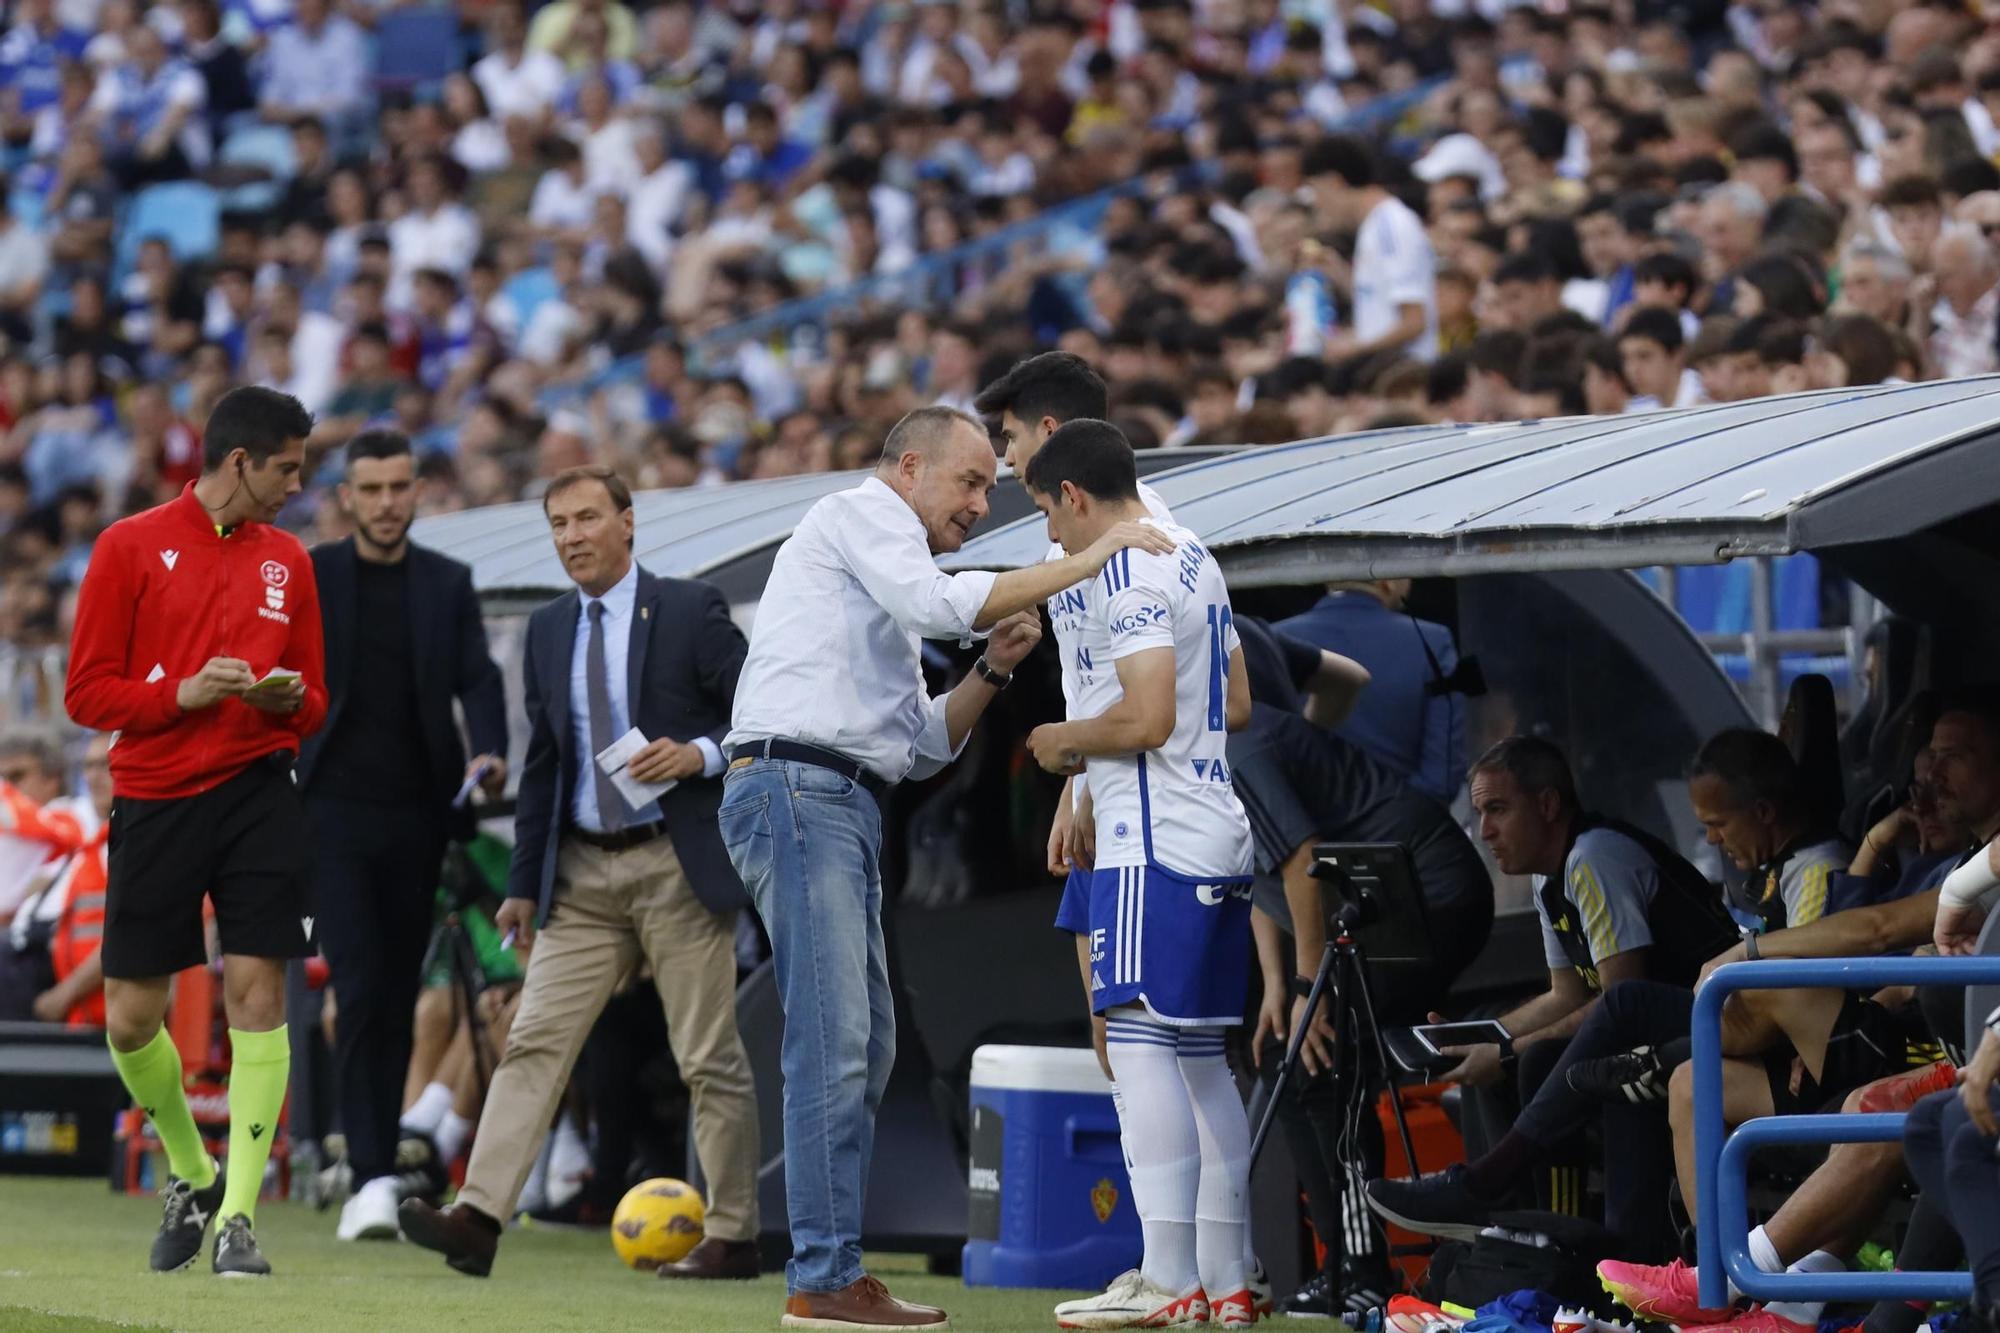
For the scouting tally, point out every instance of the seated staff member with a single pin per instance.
(1616, 906)
(1301, 784)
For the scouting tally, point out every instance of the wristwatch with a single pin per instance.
(1750, 952)
(999, 680)
(1302, 986)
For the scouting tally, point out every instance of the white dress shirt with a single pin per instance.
(834, 653)
(618, 604)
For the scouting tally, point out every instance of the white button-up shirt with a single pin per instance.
(834, 652)
(619, 602)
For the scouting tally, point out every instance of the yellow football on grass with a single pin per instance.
(657, 1222)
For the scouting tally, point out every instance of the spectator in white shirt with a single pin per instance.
(830, 710)
(659, 192)
(1967, 313)
(564, 201)
(610, 163)
(1394, 275)
(148, 111)
(317, 65)
(516, 81)
(24, 263)
(436, 231)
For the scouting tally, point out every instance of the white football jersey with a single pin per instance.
(1085, 669)
(1174, 807)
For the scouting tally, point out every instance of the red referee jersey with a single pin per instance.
(163, 594)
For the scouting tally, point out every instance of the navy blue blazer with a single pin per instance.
(448, 653)
(681, 669)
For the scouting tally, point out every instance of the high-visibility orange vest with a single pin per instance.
(80, 930)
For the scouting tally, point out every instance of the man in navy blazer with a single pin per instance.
(404, 639)
(613, 874)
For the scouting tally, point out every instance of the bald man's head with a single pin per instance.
(942, 463)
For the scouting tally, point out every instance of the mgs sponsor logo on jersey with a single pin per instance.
(1133, 621)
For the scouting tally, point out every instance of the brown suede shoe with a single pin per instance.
(716, 1258)
(466, 1237)
(862, 1304)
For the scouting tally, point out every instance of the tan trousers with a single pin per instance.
(613, 909)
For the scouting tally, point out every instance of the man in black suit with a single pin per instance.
(612, 882)
(403, 639)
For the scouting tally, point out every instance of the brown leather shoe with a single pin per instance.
(466, 1237)
(862, 1304)
(716, 1258)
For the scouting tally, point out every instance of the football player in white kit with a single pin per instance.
(1161, 681)
(1030, 403)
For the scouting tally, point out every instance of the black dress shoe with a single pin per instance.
(716, 1258)
(466, 1237)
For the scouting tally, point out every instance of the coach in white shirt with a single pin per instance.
(830, 710)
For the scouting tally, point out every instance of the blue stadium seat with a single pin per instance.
(186, 213)
(416, 47)
(528, 289)
(258, 145)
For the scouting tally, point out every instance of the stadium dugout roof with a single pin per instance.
(727, 534)
(676, 532)
(1693, 486)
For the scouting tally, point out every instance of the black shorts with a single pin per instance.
(243, 845)
(1869, 1041)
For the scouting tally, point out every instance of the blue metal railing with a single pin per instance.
(1721, 1202)
(934, 278)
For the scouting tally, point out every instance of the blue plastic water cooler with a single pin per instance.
(1049, 1204)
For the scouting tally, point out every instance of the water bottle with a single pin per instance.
(1308, 313)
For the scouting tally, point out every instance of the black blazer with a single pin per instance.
(447, 649)
(680, 681)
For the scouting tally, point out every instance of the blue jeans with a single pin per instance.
(807, 843)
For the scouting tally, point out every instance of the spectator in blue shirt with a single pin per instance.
(1406, 719)
(317, 65)
(32, 56)
(149, 111)
(765, 157)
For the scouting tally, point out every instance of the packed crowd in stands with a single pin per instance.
(538, 259)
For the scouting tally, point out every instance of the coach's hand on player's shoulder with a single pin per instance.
(1050, 746)
(516, 916)
(1013, 639)
(666, 760)
(1133, 533)
(284, 698)
(219, 678)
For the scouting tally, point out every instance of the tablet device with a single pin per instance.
(1437, 1037)
(1377, 881)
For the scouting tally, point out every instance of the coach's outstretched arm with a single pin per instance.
(901, 574)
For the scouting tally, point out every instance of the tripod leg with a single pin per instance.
(1367, 1010)
(1284, 1078)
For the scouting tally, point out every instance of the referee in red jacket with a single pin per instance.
(198, 641)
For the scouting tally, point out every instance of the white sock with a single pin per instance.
(429, 1107)
(1763, 1253)
(1807, 1312)
(1221, 1215)
(1162, 1146)
(452, 1132)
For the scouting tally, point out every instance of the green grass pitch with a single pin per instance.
(73, 1260)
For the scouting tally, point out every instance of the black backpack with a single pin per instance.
(1471, 1273)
